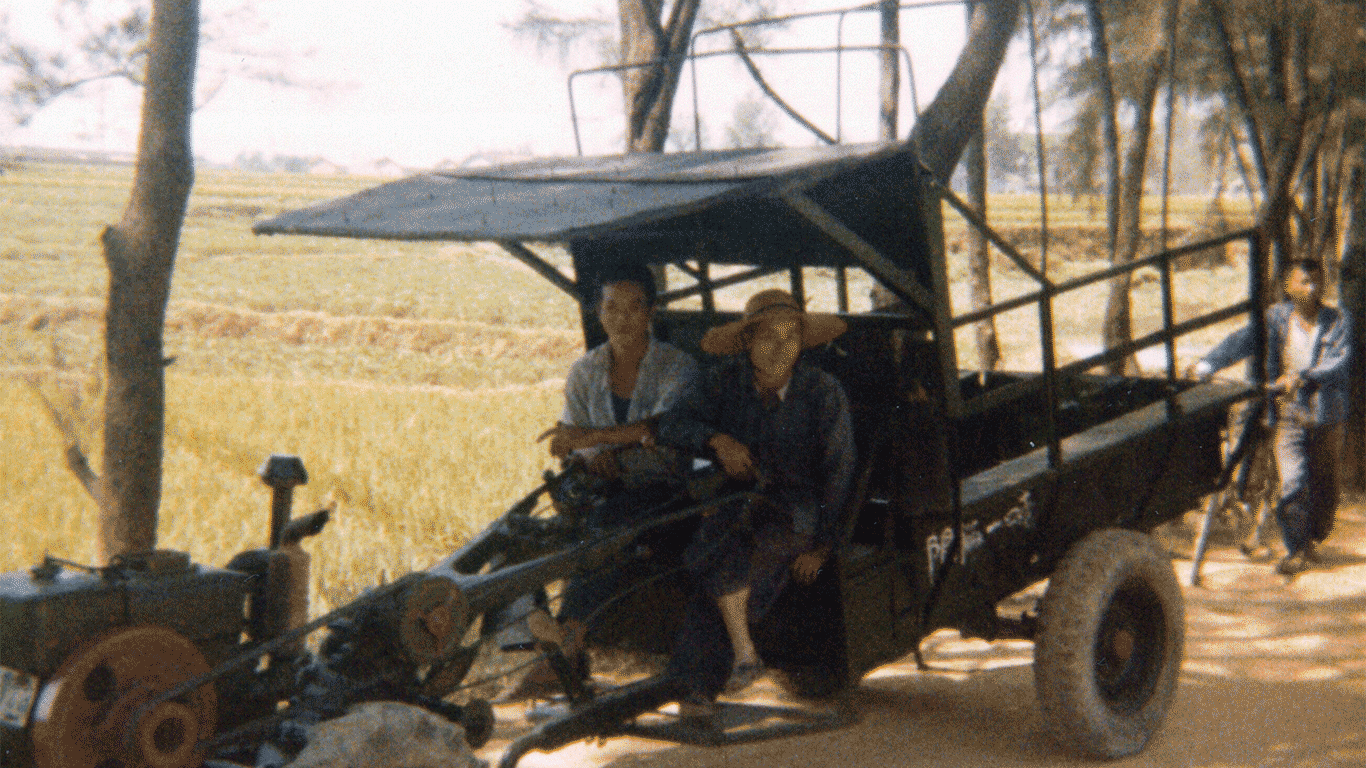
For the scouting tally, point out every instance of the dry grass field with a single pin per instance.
(411, 378)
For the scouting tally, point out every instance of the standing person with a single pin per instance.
(1308, 360)
(613, 396)
(768, 417)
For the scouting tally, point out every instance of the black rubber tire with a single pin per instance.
(1108, 652)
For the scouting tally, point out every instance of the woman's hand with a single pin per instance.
(808, 565)
(735, 457)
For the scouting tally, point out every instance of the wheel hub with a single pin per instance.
(1129, 647)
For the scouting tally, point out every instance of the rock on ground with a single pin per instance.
(387, 734)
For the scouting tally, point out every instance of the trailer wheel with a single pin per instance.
(1109, 647)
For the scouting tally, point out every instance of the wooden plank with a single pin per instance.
(882, 267)
(541, 267)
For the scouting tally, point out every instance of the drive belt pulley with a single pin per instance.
(83, 714)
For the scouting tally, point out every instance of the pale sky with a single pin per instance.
(423, 81)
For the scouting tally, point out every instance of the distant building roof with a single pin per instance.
(63, 155)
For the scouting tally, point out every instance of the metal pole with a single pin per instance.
(574, 115)
(1050, 376)
(696, 114)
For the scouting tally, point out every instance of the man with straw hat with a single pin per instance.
(771, 419)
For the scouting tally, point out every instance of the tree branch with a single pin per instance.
(72, 452)
(1240, 93)
(739, 44)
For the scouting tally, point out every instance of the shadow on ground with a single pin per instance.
(1274, 677)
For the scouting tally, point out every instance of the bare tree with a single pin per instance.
(109, 42)
(140, 252)
(659, 45)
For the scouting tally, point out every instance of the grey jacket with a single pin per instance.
(1324, 397)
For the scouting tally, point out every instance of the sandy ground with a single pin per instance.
(1274, 677)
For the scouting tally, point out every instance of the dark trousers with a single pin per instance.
(588, 593)
(1307, 460)
(702, 655)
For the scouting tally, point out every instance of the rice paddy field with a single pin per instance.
(411, 379)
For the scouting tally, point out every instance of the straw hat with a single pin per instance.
(729, 339)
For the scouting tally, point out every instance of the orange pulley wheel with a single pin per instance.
(83, 714)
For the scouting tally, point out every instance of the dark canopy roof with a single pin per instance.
(566, 199)
(841, 205)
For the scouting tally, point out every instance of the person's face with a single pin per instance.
(624, 313)
(1304, 287)
(776, 343)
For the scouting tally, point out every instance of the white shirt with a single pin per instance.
(1299, 346)
(665, 374)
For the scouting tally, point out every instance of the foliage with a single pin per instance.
(1253, 75)
(1009, 154)
(599, 32)
(752, 125)
(107, 41)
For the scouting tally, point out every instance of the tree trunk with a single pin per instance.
(1276, 85)
(1101, 47)
(944, 128)
(1325, 245)
(979, 258)
(1240, 94)
(1118, 324)
(1352, 297)
(979, 255)
(1118, 327)
(891, 70)
(140, 252)
(662, 49)
(1289, 83)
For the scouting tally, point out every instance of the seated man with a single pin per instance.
(770, 418)
(613, 394)
(614, 391)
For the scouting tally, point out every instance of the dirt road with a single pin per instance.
(1274, 677)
